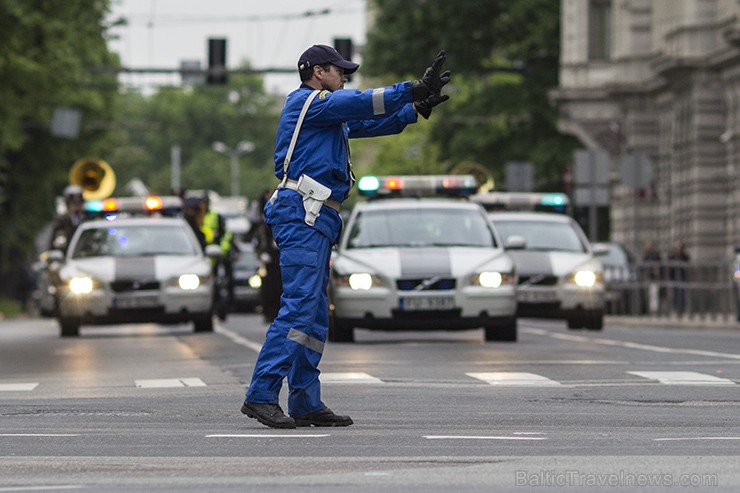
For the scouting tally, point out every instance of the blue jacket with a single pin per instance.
(322, 149)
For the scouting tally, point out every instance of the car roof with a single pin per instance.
(530, 216)
(417, 203)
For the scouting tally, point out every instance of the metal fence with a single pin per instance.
(693, 290)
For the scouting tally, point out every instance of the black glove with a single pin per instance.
(432, 81)
(424, 107)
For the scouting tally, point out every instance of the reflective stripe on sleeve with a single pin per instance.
(378, 101)
(306, 340)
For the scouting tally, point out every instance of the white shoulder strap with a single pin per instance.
(291, 147)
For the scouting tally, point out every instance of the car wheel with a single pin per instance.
(340, 331)
(575, 322)
(203, 323)
(594, 319)
(69, 326)
(506, 331)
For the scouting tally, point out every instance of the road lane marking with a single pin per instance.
(18, 387)
(242, 341)
(266, 436)
(682, 378)
(465, 437)
(348, 377)
(514, 379)
(630, 345)
(43, 488)
(46, 435)
(164, 383)
(693, 438)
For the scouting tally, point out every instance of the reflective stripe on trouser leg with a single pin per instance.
(304, 262)
(303, 377)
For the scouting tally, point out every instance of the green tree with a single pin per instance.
(194, 118)
(504, 58)
(47, 50)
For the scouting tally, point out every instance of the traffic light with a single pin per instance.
(217, 73)
(344, 47)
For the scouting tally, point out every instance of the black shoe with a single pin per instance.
(268, 414)
(324, 417)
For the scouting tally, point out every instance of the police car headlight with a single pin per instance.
(81, 285)
(255, 281)
(585, 278)
(492, 279)
(359, 281)
(188, 282)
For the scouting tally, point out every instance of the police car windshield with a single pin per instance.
(419, 228)
(542, 235)
(134, 241)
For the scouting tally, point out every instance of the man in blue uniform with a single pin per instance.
(312, 160)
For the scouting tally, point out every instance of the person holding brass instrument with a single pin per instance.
(312, 162)
(66, 223)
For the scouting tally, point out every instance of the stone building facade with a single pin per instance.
(659, 78)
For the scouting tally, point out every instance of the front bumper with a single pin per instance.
(383, 308)
(559, 301)
(166, 305)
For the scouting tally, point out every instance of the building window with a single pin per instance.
(599, 29)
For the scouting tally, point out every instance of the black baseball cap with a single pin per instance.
(321, 54)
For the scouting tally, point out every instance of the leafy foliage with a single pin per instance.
(195, 118)
(504, 58)
(46, 52)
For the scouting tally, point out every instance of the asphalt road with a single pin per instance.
(155, 408)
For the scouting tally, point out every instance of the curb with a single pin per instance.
(674, 322)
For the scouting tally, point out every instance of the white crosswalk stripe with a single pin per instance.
(18, 387)
(163, 383)
(348, 377)
(514, 379)
(682, 378)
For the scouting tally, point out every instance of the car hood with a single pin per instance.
(422, 262)
(160, 267)
(552, 263)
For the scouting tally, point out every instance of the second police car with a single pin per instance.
(413, 262)
(134, 262)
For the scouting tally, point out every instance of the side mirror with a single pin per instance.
(213, 251)
(600, 250)
(515, 242)
(53, 256)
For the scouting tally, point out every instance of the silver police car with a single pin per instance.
(559, 273)
(412, 263)
(122, 268)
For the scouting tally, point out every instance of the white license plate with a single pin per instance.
(526, 296)
(136, 302)
(422, 303)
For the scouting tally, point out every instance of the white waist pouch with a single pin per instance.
(314, 195)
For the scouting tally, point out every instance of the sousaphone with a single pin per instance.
(94, 176)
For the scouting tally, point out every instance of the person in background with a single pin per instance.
(269, 257)
(678, 275)
(312, 160)
(651, 273)
(193, 213)
(66, 223)
(214, 229)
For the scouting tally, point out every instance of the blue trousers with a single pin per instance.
(295, 340)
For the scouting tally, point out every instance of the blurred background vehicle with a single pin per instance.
(559, 275)
(134, 262)
(247, 279)
(620, 279)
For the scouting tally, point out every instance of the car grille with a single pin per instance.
(133, 285)
(544, 281)
(416, 284)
